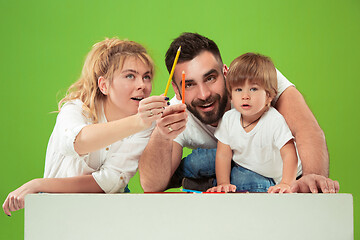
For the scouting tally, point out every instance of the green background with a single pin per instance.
(315, 44)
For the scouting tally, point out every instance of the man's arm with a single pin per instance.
(310, 142)
(162, 155)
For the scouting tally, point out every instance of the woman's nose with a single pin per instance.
(140, 84)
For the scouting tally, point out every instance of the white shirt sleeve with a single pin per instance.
(222, 131)
(283, 84)
(121, 165)
(69, 123)
(282, 133)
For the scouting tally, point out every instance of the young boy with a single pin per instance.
(253, 134)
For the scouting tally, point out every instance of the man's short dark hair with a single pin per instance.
(192, 44)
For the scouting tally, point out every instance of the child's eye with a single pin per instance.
(238, 90)
(130, 76)
(253, 89)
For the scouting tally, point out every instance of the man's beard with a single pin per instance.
(210, 117)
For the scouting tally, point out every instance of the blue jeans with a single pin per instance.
(201, 164)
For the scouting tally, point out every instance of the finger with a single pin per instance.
(151, 105)
(233, 188)
(21, 200)
(322, 184)
(226, 188)
(295, 187)
(283, 190)
(12, 203)
(154, 99)
(6, 207)
(174, 109)
(270, 189)
(337, 186)
(312, 185)
(174, 117)
(331, 185)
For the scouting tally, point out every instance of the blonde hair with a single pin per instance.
(253, 67)
(104, 59)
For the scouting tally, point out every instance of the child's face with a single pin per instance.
(250, 100)
(128, 88)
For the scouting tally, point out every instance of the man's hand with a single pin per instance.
(172, 122)
(313, 183)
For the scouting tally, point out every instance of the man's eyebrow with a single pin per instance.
(211, 71)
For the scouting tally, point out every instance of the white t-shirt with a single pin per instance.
(259, 149)
(200, 135)
(112, 167)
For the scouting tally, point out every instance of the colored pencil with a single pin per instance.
(183, 87)
(172, 71)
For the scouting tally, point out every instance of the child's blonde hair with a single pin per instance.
(104, 59)
(254, 68)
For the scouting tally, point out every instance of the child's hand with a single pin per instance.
(223, 188)
(280, 188)
(151, 108)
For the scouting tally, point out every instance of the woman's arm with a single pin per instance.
(80, 184)
(96, 136)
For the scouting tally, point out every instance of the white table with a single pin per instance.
(189, 216)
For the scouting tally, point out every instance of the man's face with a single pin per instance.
(205, 92)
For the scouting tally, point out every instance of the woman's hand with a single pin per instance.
(16, 199)
(151, 108)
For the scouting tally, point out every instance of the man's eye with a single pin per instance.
(210, 78)
(187, 85)
(130, 76)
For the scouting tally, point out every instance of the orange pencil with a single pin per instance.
(183, 87)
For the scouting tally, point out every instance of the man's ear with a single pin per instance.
(225, 69)
(176, 90)
(103, 85)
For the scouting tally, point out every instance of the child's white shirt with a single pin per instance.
(112, 167)
(200, 135)
(259, 149)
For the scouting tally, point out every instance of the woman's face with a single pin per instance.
(130, 85)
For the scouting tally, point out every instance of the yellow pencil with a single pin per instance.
(172, 71)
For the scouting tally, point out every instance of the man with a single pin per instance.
(206, 100)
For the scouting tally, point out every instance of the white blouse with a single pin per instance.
(112, 167)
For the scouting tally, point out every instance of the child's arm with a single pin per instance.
(96, 136)
(80, 184)
(223, 169)
(289, 157)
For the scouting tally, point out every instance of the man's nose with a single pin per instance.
(204, 92)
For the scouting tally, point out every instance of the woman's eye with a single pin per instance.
(130, 76)
(147, 77)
